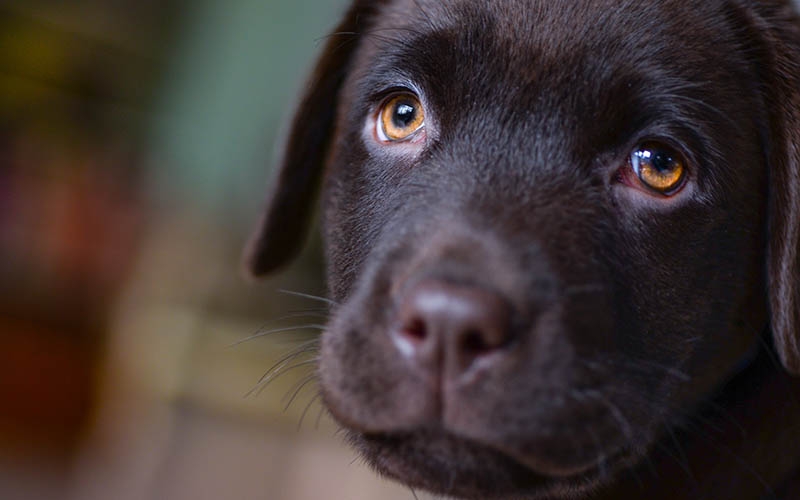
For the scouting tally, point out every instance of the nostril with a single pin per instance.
(451, 324)
(474, 344)
(415, 330)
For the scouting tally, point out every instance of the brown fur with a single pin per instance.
(646, 344)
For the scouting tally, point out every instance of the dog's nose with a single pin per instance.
(449, 326)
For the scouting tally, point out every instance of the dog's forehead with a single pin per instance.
(582, 76)
(535, 44)
(590, 66)
(533, 22)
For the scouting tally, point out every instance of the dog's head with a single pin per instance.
(551, 227)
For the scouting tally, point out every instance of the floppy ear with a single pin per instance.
(284, 223)
(783, 263)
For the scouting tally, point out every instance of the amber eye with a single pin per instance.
(400, 118)
(659, 167)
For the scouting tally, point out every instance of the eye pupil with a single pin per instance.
(659, 167)
(400, 118)
(662, 161)
(404, 115)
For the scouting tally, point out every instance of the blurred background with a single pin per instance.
(135, 147)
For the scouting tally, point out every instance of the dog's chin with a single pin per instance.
(446, 464)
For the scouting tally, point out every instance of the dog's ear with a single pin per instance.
(284, 222)
(783, 264)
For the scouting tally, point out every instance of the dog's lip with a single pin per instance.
(537, 471)
(385, 452)
(535, 467)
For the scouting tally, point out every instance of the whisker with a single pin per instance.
(283, 370)
(700, 421)
(637, 364)
(682, 458)
(682, 463)
(301, 313)
(305, 410)
(669, 370)
(319, 312)
(319, 416)
(299, 383)
(277, 330)
(308, 296)
(303, 348)
(297, 388)
(276, 372)
(602, 458)
(616, 413)
(726, 414)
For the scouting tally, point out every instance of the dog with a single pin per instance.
(562, 241)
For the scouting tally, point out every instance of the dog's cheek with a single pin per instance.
(357, 203)
(690, 288)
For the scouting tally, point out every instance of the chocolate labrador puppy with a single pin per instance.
(563, 241)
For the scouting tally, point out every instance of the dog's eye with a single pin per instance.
(400, 118)
(659, 167)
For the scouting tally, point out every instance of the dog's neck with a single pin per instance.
(740, 445)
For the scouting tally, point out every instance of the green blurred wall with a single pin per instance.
(234, 76)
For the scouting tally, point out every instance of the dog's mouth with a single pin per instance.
(447, 464)
(521, 420)
(575, 452)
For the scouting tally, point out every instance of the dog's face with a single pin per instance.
(547, 227)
